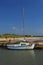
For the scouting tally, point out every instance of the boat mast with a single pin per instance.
(23, 25)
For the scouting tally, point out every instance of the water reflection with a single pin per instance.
(21, 57)
(32, 57)
(26, 57)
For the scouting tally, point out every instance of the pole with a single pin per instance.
(23, 25)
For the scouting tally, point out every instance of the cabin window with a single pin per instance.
(23, 44)
(25, 41)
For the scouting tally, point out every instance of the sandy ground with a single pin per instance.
(36, 40)
(21, 38)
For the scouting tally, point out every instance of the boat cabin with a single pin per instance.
(24, 42)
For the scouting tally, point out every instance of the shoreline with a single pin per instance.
(37, 40)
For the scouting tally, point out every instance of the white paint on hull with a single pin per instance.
(20, 47)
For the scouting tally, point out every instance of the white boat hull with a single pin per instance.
(12, 46)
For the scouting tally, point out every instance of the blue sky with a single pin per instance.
(11, 17)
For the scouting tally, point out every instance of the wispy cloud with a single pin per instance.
(14, 28)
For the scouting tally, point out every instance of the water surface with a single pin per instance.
(21, 57)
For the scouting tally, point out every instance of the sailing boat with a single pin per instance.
(24, 44)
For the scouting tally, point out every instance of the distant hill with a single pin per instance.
(15, 35)
(9, 35)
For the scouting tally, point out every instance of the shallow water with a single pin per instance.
(21, 57)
